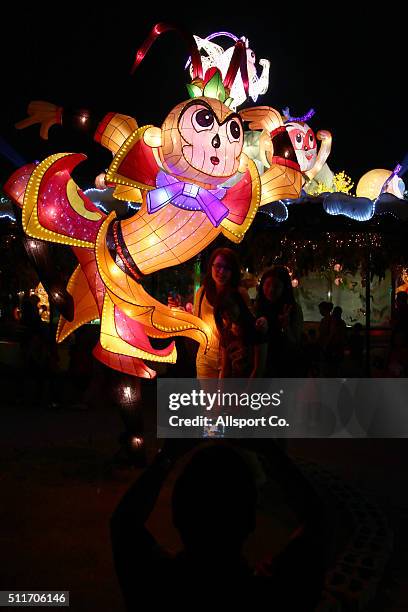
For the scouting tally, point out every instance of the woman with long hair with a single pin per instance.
(282, 316)
(223, 275)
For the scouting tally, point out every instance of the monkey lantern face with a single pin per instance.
(202, 140)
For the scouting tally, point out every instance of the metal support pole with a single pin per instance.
(368, 311)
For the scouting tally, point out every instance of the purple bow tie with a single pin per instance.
(187, 196)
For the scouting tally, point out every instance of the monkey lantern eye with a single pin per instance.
(234, 130)
(203, 119)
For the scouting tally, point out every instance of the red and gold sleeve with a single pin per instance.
(114, 129)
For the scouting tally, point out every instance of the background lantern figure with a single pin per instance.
(378, 181)
(218, 57)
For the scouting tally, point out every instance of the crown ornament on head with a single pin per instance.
(303, 119)
(211, 85)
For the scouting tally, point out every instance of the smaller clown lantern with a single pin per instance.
(312, 161)
(303, 139)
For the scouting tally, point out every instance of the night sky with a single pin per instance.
(350, 68)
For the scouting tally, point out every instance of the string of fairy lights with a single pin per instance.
(327, 251)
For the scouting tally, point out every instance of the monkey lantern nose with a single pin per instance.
(216, 142)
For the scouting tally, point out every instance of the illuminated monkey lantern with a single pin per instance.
(176, 172)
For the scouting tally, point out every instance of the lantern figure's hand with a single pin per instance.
(44, 113)
(323, 135)
(326, 139)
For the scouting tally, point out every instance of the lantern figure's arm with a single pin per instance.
(280, 182)
(54, 208)
(114, 129)
(110, 130)
(47, 114)
(325, 148)
(260, 84)
(283, 178)
(44, 113)
(267, 119)
(262, 118)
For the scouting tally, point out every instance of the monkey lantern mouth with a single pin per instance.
(214, 160)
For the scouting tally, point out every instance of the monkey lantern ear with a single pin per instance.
(152, 137)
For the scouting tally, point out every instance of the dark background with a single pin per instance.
(349, 66)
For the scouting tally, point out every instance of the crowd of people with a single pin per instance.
(267, 338)
(248, 340)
